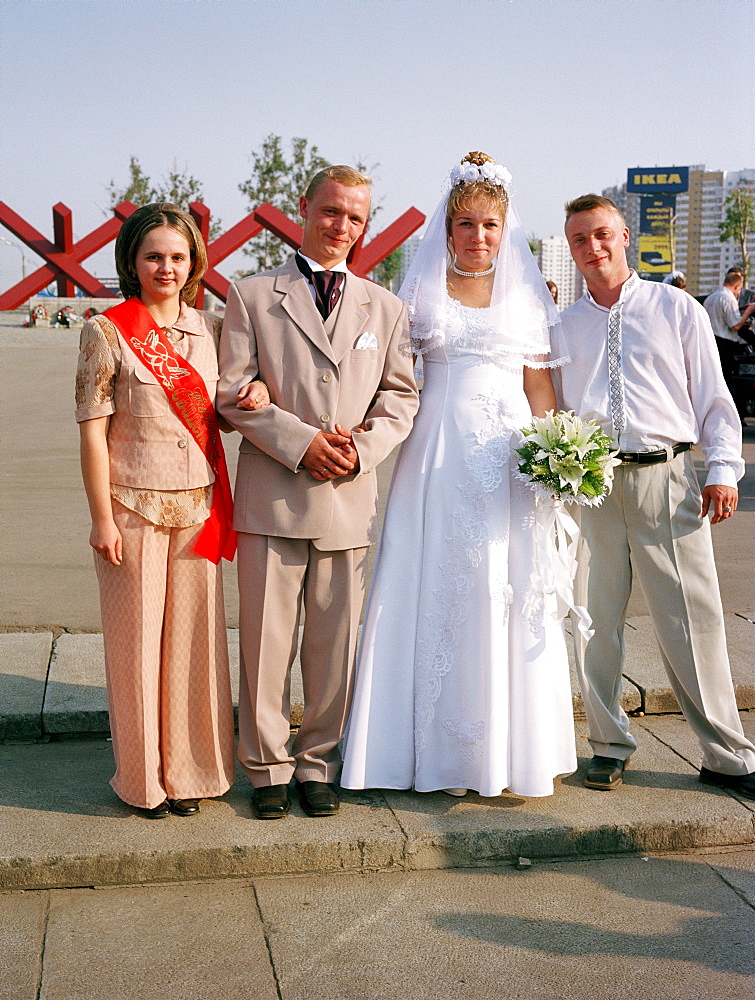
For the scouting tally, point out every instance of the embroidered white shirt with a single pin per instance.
(647, 370)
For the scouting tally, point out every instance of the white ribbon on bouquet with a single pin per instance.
(556, 535)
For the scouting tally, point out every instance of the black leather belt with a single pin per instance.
(651, 457)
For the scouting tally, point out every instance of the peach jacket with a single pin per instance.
(150, 449)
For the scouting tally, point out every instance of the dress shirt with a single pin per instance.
(668, 385)
(723, 309)
(318, 267)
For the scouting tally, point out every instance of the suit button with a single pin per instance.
(327, 377)
(325, 418)
(182, 443)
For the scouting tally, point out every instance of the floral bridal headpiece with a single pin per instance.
(479, 167)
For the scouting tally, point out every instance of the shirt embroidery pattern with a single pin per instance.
(615, 377)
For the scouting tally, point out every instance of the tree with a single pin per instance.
(178, 187)
(739, 223)
(139, 189)
(280, 180)
(388, 270)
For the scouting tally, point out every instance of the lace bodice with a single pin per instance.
(463, 330)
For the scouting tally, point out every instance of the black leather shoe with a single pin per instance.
(604, 773)
(184, 807)
(318, 798)
(742, 784)
(159, 812)
(271, 802)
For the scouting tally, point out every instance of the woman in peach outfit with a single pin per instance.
(150, 487)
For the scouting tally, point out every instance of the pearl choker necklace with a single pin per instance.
(472, 274)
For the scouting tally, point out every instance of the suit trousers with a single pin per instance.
(166, 664)
(276, 576)
(651, 525)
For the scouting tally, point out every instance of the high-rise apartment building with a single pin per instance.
(629, 206)
(409, 248)
(699, 210)
(555, 262)
(700, 253)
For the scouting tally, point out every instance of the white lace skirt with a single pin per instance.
(462, 674)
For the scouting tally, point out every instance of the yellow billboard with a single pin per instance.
(654, 253)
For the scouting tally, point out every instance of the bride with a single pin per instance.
(462, 676)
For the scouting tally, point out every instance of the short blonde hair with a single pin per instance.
(587, 202)
(464, 194)
(131, 236)
(340, 173)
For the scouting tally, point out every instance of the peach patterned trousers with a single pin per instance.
(166, 664)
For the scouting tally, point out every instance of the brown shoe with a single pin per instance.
(184, 807)
(318, 798)
(271, 802)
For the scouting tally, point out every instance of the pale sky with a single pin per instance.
(567, 93)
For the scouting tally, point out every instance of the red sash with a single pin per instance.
(191, 403)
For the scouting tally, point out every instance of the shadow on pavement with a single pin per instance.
(703, 920)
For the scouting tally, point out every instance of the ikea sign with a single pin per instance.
(657, 180)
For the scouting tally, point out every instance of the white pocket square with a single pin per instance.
(367, 342)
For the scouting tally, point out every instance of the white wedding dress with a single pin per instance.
(462, 675)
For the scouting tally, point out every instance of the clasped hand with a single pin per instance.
(328, 455)
(331, 455)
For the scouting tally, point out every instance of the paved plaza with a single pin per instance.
(647, 892)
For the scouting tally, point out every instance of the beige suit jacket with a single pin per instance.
(273, 331)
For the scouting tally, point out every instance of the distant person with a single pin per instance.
(746, 296)
(553, 289)
(645, 366)
(728, 324)
(159, 496)
(676, 278)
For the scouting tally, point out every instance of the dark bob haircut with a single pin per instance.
(131, 237)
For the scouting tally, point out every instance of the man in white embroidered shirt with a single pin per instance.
(645, 366)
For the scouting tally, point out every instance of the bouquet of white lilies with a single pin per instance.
(566, 458)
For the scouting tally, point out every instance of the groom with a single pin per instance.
(333, 350)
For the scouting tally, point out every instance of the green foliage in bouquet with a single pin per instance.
(567, 458)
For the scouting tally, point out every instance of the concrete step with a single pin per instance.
(53, 687)
(61, 824)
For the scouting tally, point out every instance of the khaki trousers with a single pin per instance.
(277, 575)
(166, 663)
(650, 525)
